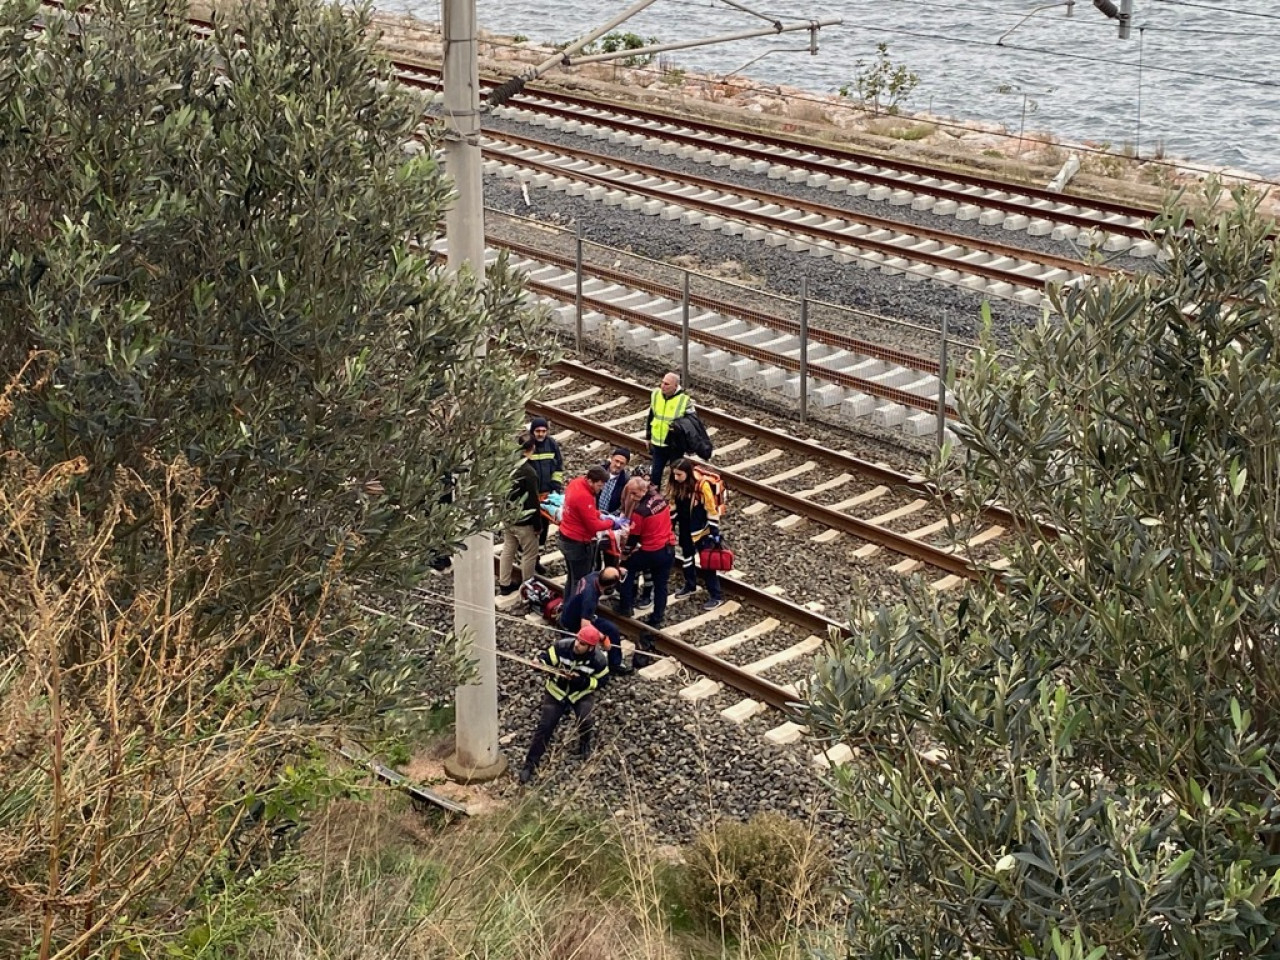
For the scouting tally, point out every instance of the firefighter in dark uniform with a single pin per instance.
(580, 665)
(548, 463)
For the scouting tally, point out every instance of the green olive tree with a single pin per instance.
(234, 387)
(1077, 758)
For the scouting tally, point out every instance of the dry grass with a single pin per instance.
(537, 881)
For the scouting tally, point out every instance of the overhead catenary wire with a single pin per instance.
(952, 123)
(971, 12)
(1220, 10)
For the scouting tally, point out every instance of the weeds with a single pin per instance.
(882, 85)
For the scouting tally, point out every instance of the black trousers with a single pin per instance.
(657, 564)
(579, 555)
(553, 712)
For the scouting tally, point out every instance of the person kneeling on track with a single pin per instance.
(579, 665)
(582, 605)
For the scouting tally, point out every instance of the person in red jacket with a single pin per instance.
(580, 521)
(649, 546)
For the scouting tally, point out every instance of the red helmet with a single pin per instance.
(589, 635)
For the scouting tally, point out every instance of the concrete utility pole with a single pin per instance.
(477, 756)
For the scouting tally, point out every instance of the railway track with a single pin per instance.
(1108, 224)
(740, 344)
(750, 653)
(781, 220)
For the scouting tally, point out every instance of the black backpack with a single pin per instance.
(688, 435)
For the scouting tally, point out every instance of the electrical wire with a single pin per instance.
(1073, 56)
(1093, 23)
(947, 123)
(1220, 10)
(1130, 63)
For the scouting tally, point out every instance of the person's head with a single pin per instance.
(633, 493)
(610, 577)
(538, 426)
(528, 445)
(588, 638)
(681, 485)
(596, 478)
(618, 460)
(670, 384)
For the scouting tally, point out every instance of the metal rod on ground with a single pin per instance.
(476, 756)
(577, 329)
(684, 334)
(804, 349)
(942, 383)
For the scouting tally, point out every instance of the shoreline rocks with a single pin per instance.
(987, 148)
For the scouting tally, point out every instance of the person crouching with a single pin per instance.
(580, 666)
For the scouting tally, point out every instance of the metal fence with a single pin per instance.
(730, 290)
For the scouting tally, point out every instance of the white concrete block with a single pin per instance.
(856, 406)
(889, 415)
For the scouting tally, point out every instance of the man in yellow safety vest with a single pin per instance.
(666, 404)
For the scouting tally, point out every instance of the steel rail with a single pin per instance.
(806, 448)
(790, 227)
(708, 664)
(829, 338)
(784, 609)
(832, 155)
(729, 345)
(701, 129)
(949, 562)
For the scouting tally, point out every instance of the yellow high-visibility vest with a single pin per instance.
(665, 410)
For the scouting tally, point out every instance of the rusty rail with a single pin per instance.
(729, 345)
(816, 232)
(872, 471)
(828, 338)
(833, 519)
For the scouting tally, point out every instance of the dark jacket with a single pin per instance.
(581, 605)
(524, 491)
(610, 499)
(585, 671)
(697, 517)
(548, 462)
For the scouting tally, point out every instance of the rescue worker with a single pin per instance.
(609, 500)
(582, 606)
(580, 666)
(648, 547)
(698, 522)
(580, 521)
(547, 459)
(666, 404)
(520, 537)
(548, 463)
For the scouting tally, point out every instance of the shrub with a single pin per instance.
(759, 878)
(882, 85)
